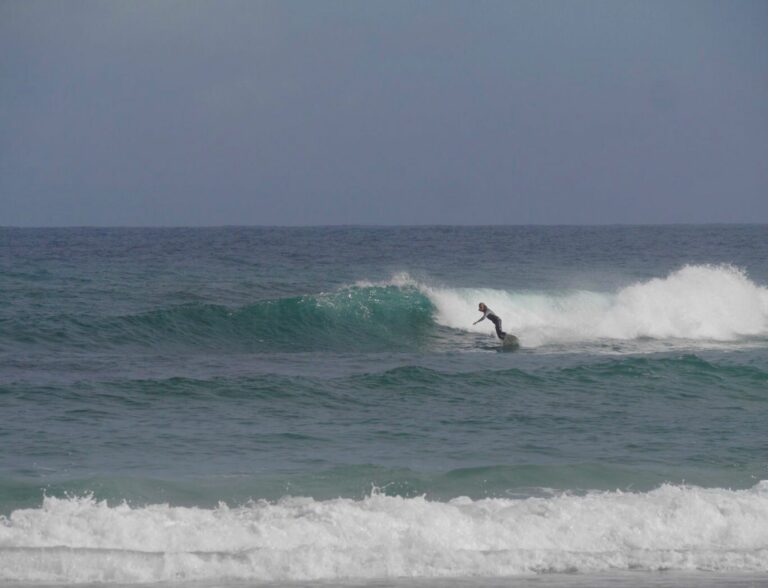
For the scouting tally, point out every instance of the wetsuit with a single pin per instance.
(491, 316)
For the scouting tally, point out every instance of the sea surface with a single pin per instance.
(304, 406)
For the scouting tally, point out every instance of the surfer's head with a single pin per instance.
(481, 307)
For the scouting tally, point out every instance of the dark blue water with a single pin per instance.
(169, 371)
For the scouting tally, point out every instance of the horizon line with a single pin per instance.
(388, 226)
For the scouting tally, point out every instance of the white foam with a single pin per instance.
(398, 279)
(81, 540)
(695, 303)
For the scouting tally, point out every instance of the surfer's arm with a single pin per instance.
(478, 320)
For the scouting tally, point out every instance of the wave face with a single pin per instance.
(371, 319)
(696, 303)
(670, 528)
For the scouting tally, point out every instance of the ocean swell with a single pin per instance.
(368, 319)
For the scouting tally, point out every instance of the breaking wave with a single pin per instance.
(695, 303)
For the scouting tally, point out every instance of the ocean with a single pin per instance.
(313, 406)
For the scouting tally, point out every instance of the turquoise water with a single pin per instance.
(275, 405)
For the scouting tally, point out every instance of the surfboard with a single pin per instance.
(510, 342)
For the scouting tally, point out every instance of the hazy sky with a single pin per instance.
(383, 112)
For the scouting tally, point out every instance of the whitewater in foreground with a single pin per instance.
(671, 528)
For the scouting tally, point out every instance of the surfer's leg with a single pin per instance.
(497, 323)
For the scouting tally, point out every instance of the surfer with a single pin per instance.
(491, 316)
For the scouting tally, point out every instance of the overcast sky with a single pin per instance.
(383, 112)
